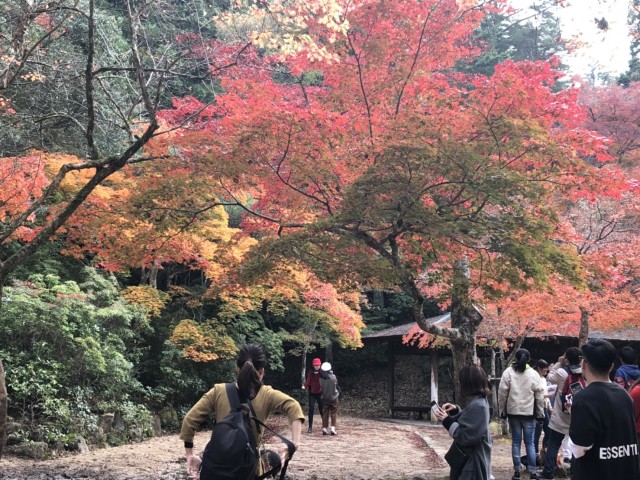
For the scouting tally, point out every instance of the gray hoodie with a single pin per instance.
(329, 385)
(557, 375)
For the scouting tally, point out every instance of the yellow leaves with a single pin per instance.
(203, 342)
(149, 298)
(76, 179)
(465, 4)
(284, 27)
(33, 77)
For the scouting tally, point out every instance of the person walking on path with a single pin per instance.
(469, 427)
(602, 435)
(521, 400)
(250, 366)
(312, 385)
(568, 364)
(329, 385)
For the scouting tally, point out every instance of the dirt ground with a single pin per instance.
(363, 449)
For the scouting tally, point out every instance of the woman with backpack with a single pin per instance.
(521, 400)
(248, 393)
(469, 427)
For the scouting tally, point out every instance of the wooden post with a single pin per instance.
(583, 336)
(435, 362)
(392, 370)
(494, 384)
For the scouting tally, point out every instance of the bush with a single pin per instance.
(69, 352)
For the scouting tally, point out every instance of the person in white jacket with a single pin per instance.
(521, 400)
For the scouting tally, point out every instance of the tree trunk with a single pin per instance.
(463, 354)
(153, 277)
(516, 346)
(504, 426)
(303, 375)
(583, 336)
(466, 319)
(4, 400)
(328, 354)
(3, 410)
(494, 384)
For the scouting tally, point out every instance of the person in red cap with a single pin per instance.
(312, 385)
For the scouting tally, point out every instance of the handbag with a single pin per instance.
(457, 458)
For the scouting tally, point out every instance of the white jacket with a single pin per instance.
(521, 393)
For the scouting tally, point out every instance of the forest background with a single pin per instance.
(181, 177)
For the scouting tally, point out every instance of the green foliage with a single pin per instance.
(68, 348)
(534, 36)
(633, 73)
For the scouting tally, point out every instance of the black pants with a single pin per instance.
(542, 428)
(313, 399)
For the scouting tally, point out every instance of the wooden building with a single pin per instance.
(548, 346)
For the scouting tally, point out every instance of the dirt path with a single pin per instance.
(363, 449)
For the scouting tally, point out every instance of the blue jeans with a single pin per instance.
(523, 428)
(551, 462)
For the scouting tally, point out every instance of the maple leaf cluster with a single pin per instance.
(359, 156)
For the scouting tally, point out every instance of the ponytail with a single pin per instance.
(251, 358)
(522, 358)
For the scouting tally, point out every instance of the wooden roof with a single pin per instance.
(620, 335)
(402, 330)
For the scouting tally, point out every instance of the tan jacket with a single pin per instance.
(216, 401)
(559, 420)
(521, 393)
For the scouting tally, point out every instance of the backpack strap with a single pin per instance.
(232, 395)
(234, 401)
(290, 446)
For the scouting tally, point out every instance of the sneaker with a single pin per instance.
(534, 476)
(546, 477)
(324, 431)
(309, 429)
(333, 431)
(516, 476)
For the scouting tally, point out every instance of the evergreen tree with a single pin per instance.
(518, 37)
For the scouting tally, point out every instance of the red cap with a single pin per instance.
(317, 361)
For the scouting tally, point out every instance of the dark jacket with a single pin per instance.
(470, 429)
(312, 383)
(329, 385)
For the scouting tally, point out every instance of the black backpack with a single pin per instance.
(232, 453)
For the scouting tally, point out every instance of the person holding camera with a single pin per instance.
(469, 426)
